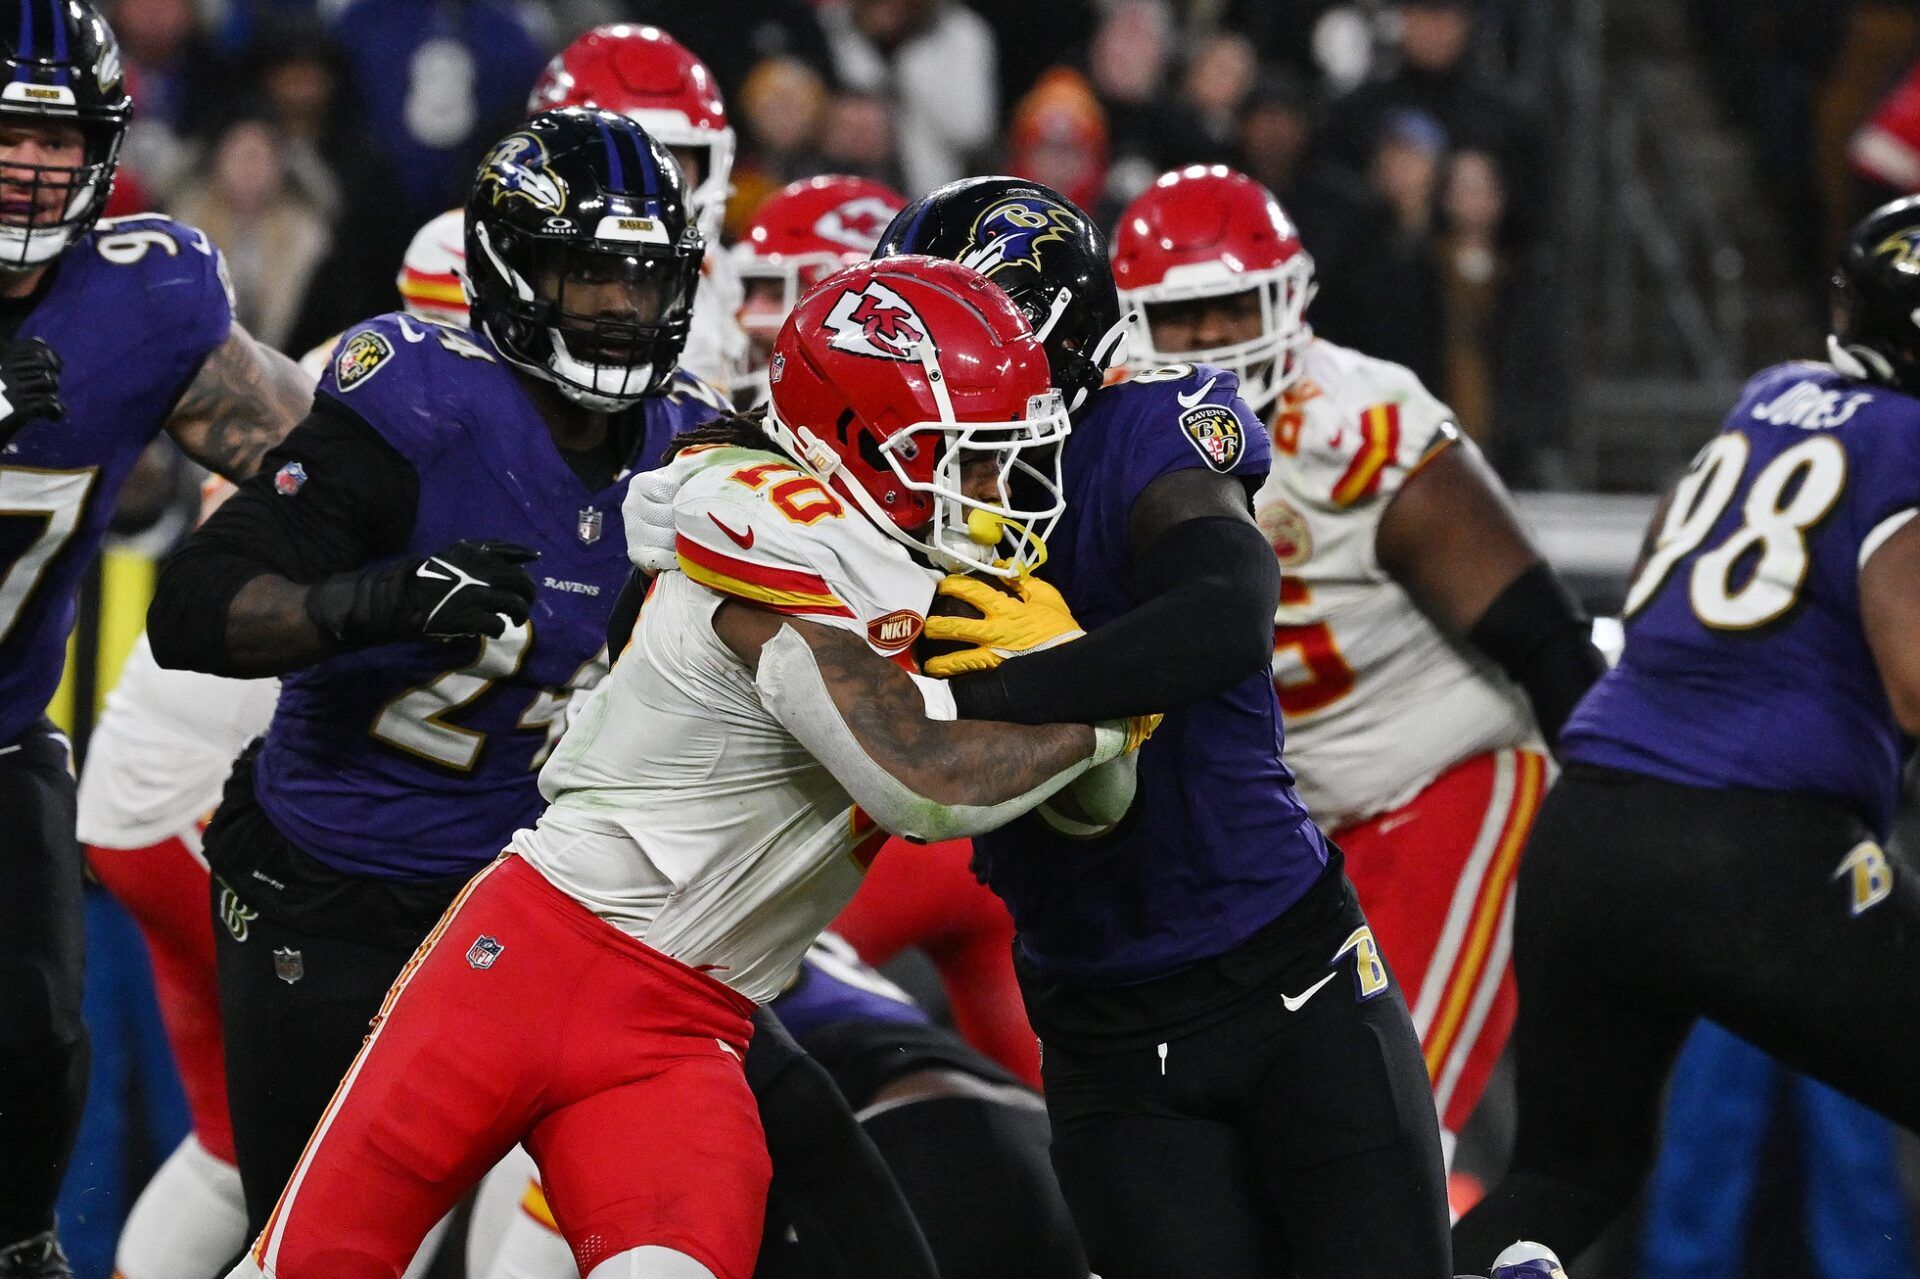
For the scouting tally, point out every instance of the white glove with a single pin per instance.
(647, 511)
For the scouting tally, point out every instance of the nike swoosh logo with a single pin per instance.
(427, 571)
(1188, 401)
(1333, 441)
(744, 540)
(1295, 1003)
(406, 330)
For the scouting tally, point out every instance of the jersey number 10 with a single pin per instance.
(1788, 496)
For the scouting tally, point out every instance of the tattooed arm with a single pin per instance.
(871, 725)
(244, 400)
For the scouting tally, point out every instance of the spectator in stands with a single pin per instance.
(733, 37)
(177, 81)
(935, 60)
(1438, 77)
(1031, 37)
(858, 138)
(1058, 137)
(781, 108)
(1406, 324)
(438, 82)
(1505, 351)
(1129, 64)
(271, 233)
(1218, 78)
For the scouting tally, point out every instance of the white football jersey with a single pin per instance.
(682, 812)
(162, 750)
(716, 349)
(1378, 700)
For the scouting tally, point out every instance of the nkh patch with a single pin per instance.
(288, 965)
(484, 951)
(360, 358)
(895, 631)
(1215, 432)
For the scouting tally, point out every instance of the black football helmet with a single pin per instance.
(1037, 245)
(581, 260)
(62, 68)
(1876, 298)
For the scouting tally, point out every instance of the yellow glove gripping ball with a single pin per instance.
(1014, 616)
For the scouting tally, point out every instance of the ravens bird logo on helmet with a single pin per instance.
(1011, 232)
(517, 166)
(1903, 247)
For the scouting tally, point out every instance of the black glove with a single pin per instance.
(29, 385)
(462, 591)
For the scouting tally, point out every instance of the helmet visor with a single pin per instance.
(610, 307)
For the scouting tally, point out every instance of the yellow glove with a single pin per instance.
(1139, 729)
(1034, 619)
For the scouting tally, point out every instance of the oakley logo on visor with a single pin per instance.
(875, 321)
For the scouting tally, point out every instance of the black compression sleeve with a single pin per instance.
(1539, 635)
(353, 500)
(1207, 589)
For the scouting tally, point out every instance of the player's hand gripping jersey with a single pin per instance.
(368, 747)
(1745, 664)
(134, 307)
(1378, 700)
(683, 811)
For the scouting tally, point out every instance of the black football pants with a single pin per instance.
(1644, 905)
(43, 1044)
(1267, 1145)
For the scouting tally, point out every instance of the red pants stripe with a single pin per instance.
(165, 888)
(524, 1018)
(1435, 877)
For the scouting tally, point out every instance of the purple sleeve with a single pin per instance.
(382, 372)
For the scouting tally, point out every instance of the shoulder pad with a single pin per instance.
(756, 526)
(1200, 406)
(1358, 426)
(397, 373)
(179, 267)
(691, 389)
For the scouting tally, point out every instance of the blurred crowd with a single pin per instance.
(311, 137)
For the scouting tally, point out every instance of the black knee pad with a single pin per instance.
(977, 1174)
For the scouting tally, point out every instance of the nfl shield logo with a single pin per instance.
(484, 951)
(589, 526)
(288, 966)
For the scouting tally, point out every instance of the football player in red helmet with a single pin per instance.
(646, 75)
(604, 970)
(1424, 654)
(801, 234)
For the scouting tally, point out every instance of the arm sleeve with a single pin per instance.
(1539, 635)
(330, 497)
(1208, 588)
(793, 689)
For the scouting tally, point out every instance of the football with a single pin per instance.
(925, 649)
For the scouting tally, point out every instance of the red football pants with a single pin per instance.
(1435, 877)
(165, 888)
(925, 897)
(522, 1017)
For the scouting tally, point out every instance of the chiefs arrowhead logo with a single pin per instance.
(856, 223)
(875, 321)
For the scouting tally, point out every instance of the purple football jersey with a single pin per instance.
(420, 759)
(834, 986)
(1217, 844)
(133, 309)
(1746, 664)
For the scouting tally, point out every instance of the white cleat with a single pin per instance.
(1527, 1261)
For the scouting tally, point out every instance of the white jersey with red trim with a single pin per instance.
(1378, 700)
(162, 750)
(682, 811)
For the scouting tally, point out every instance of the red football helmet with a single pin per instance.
(803, 232)
(893, 377)
(646, 75)
(1206, 231)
